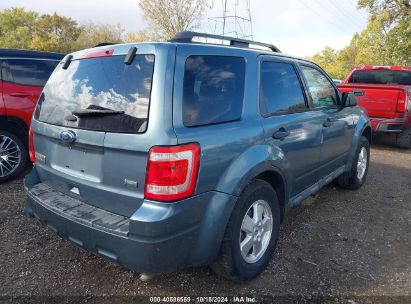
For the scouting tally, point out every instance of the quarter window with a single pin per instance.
(322, 92)
(213, 89)
(280, 89)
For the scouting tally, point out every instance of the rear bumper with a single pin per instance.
(157, 238)
(394, 125)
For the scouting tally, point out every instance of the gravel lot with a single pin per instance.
(339, 243)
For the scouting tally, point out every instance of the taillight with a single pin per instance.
(172, 172)
(37, 109)
(402, 102)
(32, 152)
(98, 53)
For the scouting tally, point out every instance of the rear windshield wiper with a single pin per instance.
(92, 112)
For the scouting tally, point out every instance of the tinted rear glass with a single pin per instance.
(100, 84)
(30, 72)
(213, 89)
(381, 77)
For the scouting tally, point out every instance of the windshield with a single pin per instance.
(381, 77)
(103, 86)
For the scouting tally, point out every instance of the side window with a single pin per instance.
(30, 72)
(322, 92)
(213, 89)
(280, 89)
(5, 75)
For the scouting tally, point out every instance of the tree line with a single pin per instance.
(26, 29)
(386, 40)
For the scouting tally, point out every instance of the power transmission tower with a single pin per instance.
(235, 20)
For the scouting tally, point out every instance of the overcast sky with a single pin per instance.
(297, 27)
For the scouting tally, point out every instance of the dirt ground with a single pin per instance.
(338, 244)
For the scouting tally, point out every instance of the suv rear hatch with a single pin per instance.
(91, 126)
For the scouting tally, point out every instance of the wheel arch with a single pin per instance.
(367, 133)
(259, 162)
(277, 181)
(16, 126)
(362, 128)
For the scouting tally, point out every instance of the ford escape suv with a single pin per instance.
(23, 75)
(159, 156)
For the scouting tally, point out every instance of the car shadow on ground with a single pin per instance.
(388, 141)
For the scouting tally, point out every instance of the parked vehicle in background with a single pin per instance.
(385, 92)
(22, 78)
(338, 81)
(160, 156)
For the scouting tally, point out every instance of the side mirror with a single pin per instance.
(349, 100)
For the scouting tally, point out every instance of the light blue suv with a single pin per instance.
(159, 156)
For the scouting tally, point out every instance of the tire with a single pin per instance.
(14, 159)
(356, 177)
(404, 139)
(231, 262)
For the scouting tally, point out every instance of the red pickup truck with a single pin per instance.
(385, 92)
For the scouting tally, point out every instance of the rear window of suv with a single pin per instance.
(213, 89)
(98, 85)
(381, 77)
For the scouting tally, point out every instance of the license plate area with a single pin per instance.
(78, 161)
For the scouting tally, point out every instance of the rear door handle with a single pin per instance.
(281, 134)
(358, 92)
(327, 123)
(21, 94)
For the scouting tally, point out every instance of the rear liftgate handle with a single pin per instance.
(281, 134)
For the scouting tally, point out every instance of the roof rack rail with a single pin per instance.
(187, 37)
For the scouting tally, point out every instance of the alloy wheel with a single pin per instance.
(10, 156)
(256, 230)
(362, 163)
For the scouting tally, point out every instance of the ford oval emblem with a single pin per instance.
(68, 137)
